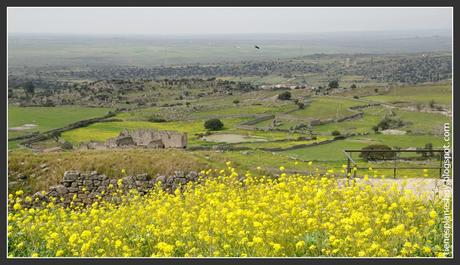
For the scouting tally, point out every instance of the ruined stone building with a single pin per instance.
(147, 138)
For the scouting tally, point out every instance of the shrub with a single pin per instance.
(353, 86)
(356, 97)
(333, 84)
(371, 155)
(66, 146)
(236, 101)
(156, 119)
(389, 123)
(213, 124)
(335, 133)
(286, 95)
(428, 153)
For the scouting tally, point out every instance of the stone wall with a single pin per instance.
(88, 188)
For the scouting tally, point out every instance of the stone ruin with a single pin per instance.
(85, 189)
(146, 138)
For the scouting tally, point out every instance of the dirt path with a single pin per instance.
(417, 185)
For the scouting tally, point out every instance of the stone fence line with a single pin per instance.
(86, 189)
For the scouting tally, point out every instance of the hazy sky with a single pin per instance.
(223, 20)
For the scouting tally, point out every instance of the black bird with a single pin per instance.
(257, 47)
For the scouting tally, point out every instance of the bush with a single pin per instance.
(333, 84)
(66, 146)
(335, 133)
(356, 97)
(428, 153)
(236, 101)
(213, 124)
(353, 86)
(372, 156)
(155, 119)
(286, 95)
(389, 123)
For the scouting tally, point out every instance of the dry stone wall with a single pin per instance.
(88, 188)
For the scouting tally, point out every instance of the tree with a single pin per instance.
(29, 88)
(213, 124)
(286, 95)
(429, 151)
(334, 84)
(335, 133)
(370, 153)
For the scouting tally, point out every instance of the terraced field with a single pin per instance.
(440, 93)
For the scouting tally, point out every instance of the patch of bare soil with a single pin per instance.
(393, 132)
(232, 138)
(23, 127)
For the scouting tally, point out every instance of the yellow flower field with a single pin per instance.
(230, 214)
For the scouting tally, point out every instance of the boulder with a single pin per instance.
(70, 176)
(161, 179)
(192, 175)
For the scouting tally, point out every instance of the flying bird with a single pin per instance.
(257, 47)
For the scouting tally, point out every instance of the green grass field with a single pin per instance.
(326, 108)
(47, 118)
(333, 151)
(423, 94)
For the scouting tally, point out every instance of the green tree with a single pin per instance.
(333, 84)
(214, 124)
(286, 95)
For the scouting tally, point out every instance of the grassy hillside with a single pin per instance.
(47, 118)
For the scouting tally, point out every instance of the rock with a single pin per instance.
(43, 165)
(61, 189)
(128, 180)
(38, 195)
(87, 182)
(139, 183)
(142, 177)
(179, 174)
(170, 180)
(70, 176)
(180, 180)
(192, 175)
(161, 179)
